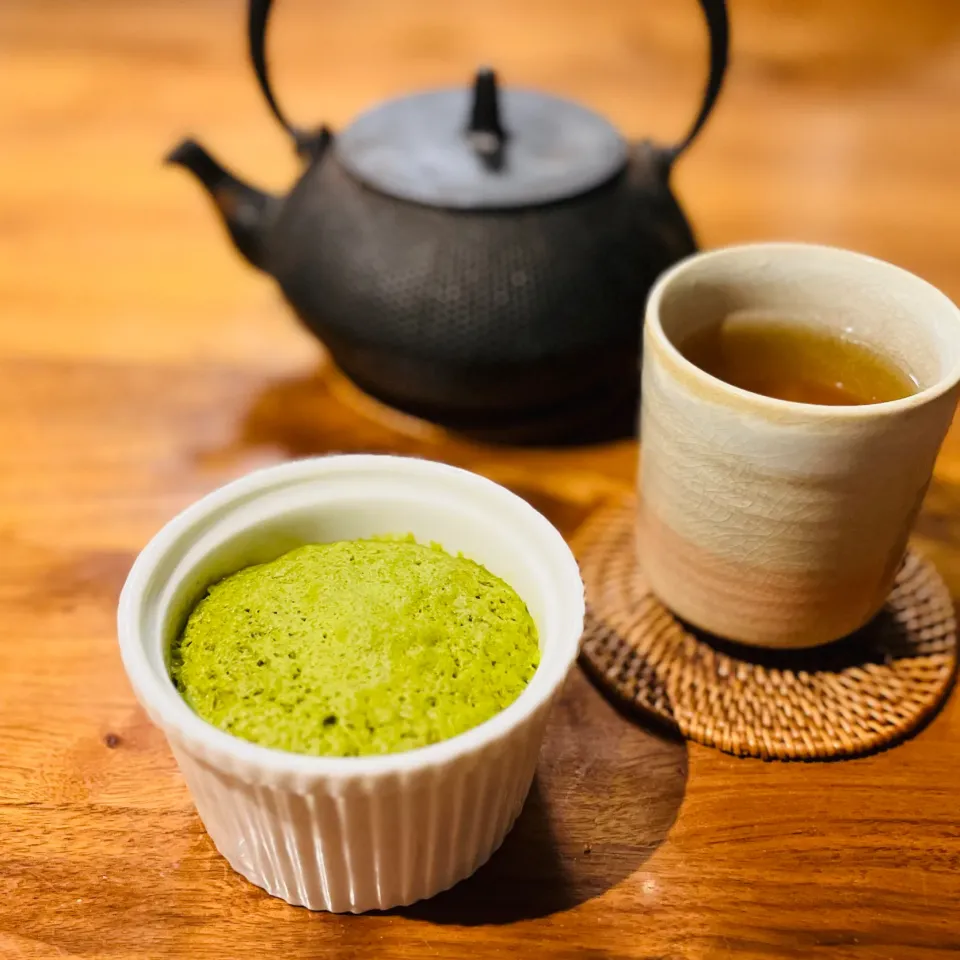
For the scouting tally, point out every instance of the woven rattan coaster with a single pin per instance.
(851, 697)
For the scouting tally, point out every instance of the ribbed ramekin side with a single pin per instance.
(373, 842)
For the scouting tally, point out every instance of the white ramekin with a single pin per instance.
(353, 833)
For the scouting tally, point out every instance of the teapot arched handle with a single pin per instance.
(311, 143)
(718, 26)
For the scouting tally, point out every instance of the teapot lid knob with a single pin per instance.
(485, 130)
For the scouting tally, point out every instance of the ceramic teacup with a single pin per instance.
(774, 523)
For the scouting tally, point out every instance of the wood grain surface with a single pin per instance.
(142, 365)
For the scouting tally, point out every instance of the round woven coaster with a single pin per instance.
(848, 698)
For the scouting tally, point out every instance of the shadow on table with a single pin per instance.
(323, 411)
(605, 796)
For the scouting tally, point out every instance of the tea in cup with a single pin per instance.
(794, 399)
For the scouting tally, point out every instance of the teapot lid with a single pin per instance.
(485, 149)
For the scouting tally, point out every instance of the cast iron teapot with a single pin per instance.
(478, 258)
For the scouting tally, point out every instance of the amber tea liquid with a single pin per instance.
(792, 360)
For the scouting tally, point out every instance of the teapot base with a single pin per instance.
(604, 412)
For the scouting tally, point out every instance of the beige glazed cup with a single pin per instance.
(774, 523)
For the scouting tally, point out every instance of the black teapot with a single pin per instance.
(477, 258)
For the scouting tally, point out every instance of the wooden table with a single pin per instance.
(141, 365)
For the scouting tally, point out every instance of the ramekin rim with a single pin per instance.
(167, 707)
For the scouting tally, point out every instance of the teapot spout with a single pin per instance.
(246, 212)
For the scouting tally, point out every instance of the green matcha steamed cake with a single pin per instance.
(351, 648)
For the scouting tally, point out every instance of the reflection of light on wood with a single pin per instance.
(839, 43)
(355, 399)
(827, 155)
